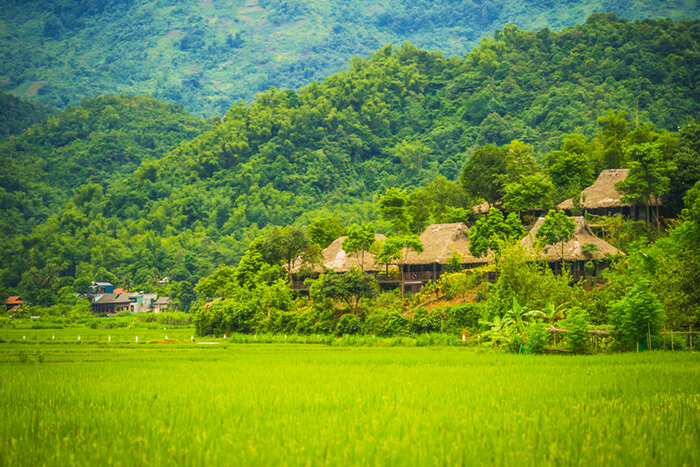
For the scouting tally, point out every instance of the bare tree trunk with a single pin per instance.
(658, 226)
(647, 215)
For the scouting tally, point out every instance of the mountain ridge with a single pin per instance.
(207, 55)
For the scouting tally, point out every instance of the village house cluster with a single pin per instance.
(106, 299)
(442, 241)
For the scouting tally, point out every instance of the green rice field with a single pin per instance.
(287, 404)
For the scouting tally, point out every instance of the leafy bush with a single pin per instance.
(636, 314)
(576, 323)
(284, 322)
(348, 324)
(387, 323)
(515, 344)
(464, 316)
(425, 321)
(537, 338)
(224, 317)
(307, 321)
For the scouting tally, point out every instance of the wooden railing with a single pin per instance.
(422, 276)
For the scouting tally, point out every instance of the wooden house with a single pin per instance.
(161, 305)
(576, 251)
(604, 199)
(13, 303)
(440, 243)
(110, 303)
(334, 258)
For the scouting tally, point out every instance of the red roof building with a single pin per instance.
(13, 302)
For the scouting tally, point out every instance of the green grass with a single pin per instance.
(238, 404)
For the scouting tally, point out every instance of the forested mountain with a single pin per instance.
(101, 140)
(400, 118)
(206, 54)
(17, 114)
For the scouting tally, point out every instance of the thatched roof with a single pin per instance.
(335, 258)
(573, 249)
(485, 207)
(602, 194)
(440, 242)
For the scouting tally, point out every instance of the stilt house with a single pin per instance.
(576, 251)
(604, 199)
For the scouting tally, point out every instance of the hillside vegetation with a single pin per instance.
(101, 140)
(403, 117)
(208, 54)
(17, 115)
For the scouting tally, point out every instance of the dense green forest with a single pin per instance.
(208, 54)
(402, 118)
(101, 140)
(17, 115)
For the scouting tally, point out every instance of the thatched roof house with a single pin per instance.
(440, 242)
(573, 249)
(602, 194)
(335, 259)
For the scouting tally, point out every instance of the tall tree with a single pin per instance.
(359, 240)
(556, 228)
(614, 127)
(520, 161)
(686, 159)
(283, 244)
(397, 248)
(324, 230)
(571, 168)
(394, 208)
(483, 176)
(489, 232)
(532, 191)
(648, 177)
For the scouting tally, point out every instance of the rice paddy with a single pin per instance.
(287, 404)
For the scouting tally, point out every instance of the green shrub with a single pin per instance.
(348, 324)
(307, 322)
(537, 338)
(425, 321)
(636, 314)
(284, 322)
(387, 323)
(515, 343)
(576, 323)
(224, 317)
(464, 316)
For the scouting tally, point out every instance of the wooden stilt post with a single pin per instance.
(671, 339)
(690, 337)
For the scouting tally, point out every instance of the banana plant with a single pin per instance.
(499, 332)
